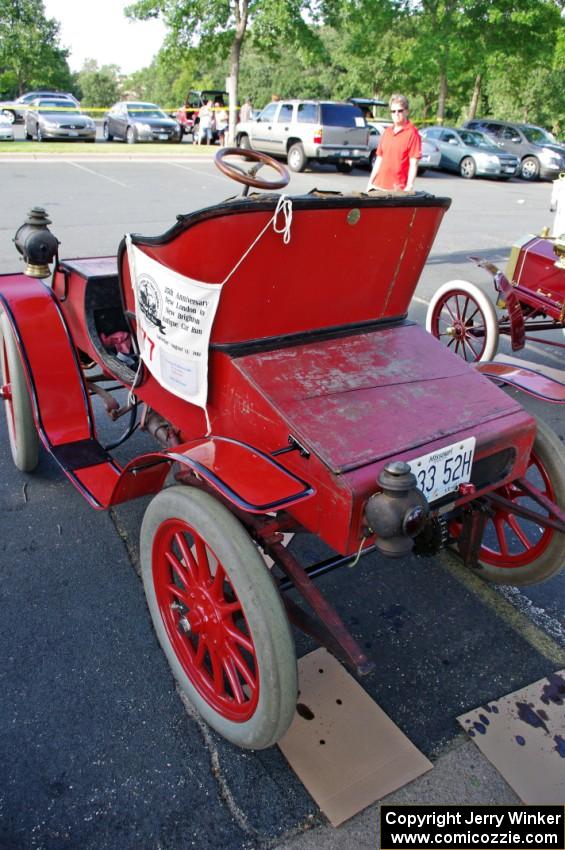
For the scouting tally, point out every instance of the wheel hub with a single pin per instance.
(202, 617)
(458, 330)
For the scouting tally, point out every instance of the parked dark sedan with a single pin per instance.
(57, 119)
(140, 122)
(471, 153)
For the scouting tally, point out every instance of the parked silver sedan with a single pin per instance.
(471, 153)
(6, 130)
(56, 119)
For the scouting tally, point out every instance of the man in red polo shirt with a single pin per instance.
(398, 152)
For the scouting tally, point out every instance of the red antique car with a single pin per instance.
(530, 293)
(265, 345)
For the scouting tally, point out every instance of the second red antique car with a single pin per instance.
(530, 294)
(266, 346)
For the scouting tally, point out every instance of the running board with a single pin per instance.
(252, 480)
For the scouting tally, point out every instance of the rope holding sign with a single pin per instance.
(175, 314)
(284, 205)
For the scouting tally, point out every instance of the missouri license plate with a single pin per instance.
(442, 471)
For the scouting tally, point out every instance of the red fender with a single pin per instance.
(528, 380)
(250, 479)
(243, 475)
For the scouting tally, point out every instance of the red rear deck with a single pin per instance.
(363, 398)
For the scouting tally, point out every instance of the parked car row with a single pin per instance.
(343, 134)
(58, 117)
(302, 130)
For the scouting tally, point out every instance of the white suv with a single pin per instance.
(303, 130)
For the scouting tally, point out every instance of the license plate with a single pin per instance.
(346, 153)
(73, 133)
(163, 136)
(441, 472)
(509, 168)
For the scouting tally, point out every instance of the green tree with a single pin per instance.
(451, 57)
(30, 53)
(99, 86)
(219, 27)
(362, 42)
(168, 78)
(537, 97)
(509, 39)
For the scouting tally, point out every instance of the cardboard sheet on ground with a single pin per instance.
(343, 747)
(523, 736)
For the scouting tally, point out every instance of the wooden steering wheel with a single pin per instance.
(248, 178)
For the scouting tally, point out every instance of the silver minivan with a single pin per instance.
(304, 130)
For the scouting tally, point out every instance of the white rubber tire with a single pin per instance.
(483, 302)
(261, 604)
(22, 433)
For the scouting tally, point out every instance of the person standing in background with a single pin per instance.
(205, 116)
(246, 111)
(221, 122)
(399, 150)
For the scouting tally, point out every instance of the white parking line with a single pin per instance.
(420, 300)
(195, 171)
(96, 173)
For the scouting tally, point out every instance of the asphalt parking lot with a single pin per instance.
(97, 750)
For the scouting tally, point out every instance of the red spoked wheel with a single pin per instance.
(218, 617)
(462, 317)
(22, 433)
(520, 551)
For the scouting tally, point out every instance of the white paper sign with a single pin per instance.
(174, 316)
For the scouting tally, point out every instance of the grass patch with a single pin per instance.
(100, 148)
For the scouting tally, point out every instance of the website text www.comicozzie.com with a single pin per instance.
(461, 827)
